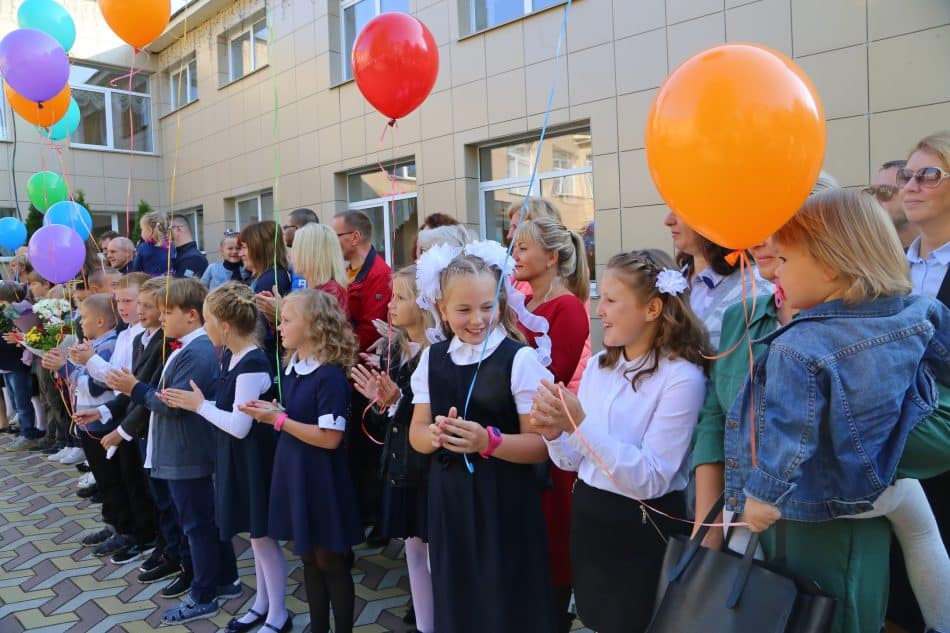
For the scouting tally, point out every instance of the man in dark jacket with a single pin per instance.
(189, 261)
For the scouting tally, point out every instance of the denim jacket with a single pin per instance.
(834, 397)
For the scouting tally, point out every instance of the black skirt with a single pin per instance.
(616, 555)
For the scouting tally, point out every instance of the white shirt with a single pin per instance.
(527, 372)
(121, 355)
(643, 436)
(927, 275)
(185, 340)
(104, 413)
(247, 387)
(711, 293)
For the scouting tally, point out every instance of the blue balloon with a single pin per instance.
(12, 233)
(71, 214)
(50, 17)
(65, 126)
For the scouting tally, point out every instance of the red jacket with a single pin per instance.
(368, 297)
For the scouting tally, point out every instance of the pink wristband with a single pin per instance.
(279, 422)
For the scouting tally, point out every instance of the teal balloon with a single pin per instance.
(50, 17)
(65, 126)
(71, 214)
(12, 233)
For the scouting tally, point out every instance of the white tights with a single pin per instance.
(420, 582)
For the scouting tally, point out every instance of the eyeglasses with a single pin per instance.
(928, 177)
(287, 227)
(347, 233)
(883, 193)
(230, 232)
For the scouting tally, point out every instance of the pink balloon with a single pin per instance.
(57, 253)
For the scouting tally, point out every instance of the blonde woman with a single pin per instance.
(318, 259)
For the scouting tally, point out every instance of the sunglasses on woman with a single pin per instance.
(883, 193)
(928, 177)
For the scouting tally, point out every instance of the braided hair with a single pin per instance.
(680, 333)
(234, 303)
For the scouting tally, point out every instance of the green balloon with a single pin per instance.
(45, 189)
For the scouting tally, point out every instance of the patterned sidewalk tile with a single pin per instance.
(50, 584)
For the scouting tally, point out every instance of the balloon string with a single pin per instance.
(278, 234)
(603, 467)
(363, 423)
(524, 204)
(171, 197)
(392, 209)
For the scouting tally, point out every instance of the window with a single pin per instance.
(564, 178)
(394, 224)
(112, 116)
(478, 15)
(183, 83)
(354, 14)
(3, 113)
(254, 208)
(247, 50)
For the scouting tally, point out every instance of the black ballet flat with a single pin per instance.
(288, 625)
(235, 626)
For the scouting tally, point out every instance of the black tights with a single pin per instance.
(328, 581)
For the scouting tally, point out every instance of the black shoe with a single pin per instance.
(83, 467)
(88, 491)
(234, 626)
(410, 617)
(96, 498)
(375, 539)
(154, 560)
(164, 569)
(180, 586)
(131, 552)
(97, 538)
(288, 625)
(113, 545)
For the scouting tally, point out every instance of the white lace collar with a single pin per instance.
(463, 353)
(301, 367)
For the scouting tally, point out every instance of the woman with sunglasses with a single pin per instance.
(925, 192)
(885, 190)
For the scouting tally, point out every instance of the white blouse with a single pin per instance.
(527, 372)
(643, 436)
(247, 387)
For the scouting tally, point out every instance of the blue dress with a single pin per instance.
(243, 466)
(312, 499)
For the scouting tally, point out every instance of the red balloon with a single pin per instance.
(395, 63)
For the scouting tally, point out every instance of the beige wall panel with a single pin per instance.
(910, 69)
(841, 78)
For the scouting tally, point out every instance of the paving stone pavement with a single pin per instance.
(49, 583)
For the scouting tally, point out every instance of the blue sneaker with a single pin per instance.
(232, 590)
(188, 611)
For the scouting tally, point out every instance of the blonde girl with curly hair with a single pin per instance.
(312, 499)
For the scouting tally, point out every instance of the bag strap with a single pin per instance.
(742, 576)
(696, 541)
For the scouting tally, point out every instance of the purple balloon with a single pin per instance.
(34, 64)
(57, 253)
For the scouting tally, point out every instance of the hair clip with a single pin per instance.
(671, 282)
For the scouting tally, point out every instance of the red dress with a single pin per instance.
(569, 329)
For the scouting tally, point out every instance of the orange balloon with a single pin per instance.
(44, 114)
(137, 22)
(735, 140)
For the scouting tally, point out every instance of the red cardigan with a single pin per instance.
(368, 297)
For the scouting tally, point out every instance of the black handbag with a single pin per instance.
(708, 591)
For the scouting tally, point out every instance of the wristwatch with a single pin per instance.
(494, 441)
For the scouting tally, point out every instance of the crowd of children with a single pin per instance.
(194, 433)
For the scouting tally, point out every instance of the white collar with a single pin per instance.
(301, 367)
(191, 336)
(133, 330)
(236, 358)
(463, 353)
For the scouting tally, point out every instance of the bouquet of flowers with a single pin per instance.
(55, 316)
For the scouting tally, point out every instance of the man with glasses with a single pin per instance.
(298, 219)
(884, 188)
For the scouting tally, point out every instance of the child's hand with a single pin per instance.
(267, 304)
(261, 410)
(13, 338)
(371, 360)
(365, 382)
(547, 411)
(121, 380)
(53, 360)
(435, 435)
(389, 392)
(181, 399)
(759, 515)
(462, 436)
(112, 439)
(80, 353)
(86, 416)
(382, 327)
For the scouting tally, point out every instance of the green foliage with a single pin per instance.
(136, 232)
(34, 221)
